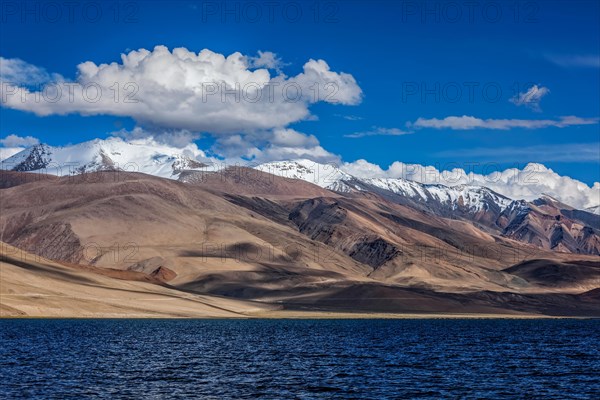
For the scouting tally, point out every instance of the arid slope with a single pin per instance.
(246, 235)
(36, 287)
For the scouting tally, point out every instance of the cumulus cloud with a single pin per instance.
(531, 98)
(19, 141)
(175, 138)
(379, 131)
(274, 145)
(293, 138)
(527, 183)
(469, 122)
(184, 90)
(18, 72)
(174, 96)
(315, 153)
(266, 59)
(322, 84)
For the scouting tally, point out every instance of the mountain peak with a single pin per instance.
(324, 175)
(146, 156)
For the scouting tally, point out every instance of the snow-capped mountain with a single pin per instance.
(328, 176)
(154, 158)
(144, 155)
(544, 222)
(473, 199)
(468, 198)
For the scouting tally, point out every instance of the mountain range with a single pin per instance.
(290, 235)
(149, 156)
(544, 222)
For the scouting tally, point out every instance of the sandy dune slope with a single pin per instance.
(36, 287)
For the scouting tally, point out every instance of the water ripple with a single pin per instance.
(305, 359)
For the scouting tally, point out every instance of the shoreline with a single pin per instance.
(308, 315)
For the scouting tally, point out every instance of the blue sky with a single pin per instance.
(412, 60)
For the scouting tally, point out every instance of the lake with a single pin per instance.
(281, 359)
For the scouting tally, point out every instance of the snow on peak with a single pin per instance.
(149, 156)
(329, 176)
(500, 187)
(324, 175)
(472, 197)
(526, 183)
(141, 155)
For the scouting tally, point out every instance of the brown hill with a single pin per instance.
(280, 241)
(36, 287)
(252, 182)
(549, 224)
(12, 178)
(575, 275)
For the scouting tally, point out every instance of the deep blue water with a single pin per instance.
(285, 359)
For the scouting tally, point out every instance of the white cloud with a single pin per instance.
(379, 131)
(172, 106)
(322, 84)
(350, 117)
(527, 183)
(564, 152)
(18, 72)
(469, 122)
(575, 60)
(266, 59)
(197, 92)
(175, 138)
(531, 98)
(293, 138)
(274, 145)
(19, 141)
(364, 169)
(315, 153)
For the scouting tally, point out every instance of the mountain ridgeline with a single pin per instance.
(544, 222)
